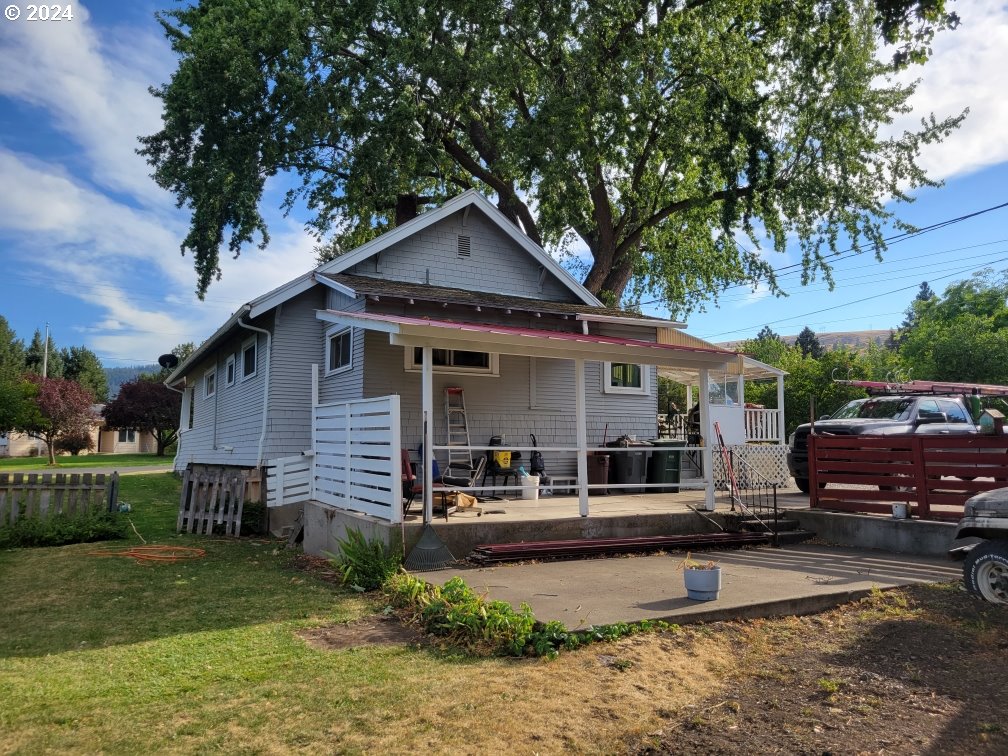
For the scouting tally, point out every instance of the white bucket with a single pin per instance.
(899, 511)
(530, 487)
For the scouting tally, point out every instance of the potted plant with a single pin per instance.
(702, 579)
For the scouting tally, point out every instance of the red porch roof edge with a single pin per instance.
(530, 332)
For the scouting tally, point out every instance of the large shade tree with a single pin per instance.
(669, 137)
(146, 404)
(82, 365)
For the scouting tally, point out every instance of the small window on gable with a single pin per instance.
(249, 355)
(624, 378)
(464, 246)
(339, 351)
(229, 371)
(210, 383)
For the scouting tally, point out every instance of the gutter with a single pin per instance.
(269, 361)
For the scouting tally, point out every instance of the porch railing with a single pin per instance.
(750, 492)
(761, 425)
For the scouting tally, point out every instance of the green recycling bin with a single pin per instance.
(663, 465)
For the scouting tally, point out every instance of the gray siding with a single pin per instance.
(496, 262)
(506, 405)
(349, 385)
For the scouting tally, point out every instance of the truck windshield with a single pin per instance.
(848, 410)
(886, 409)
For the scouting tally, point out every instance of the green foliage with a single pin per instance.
(962, 335)
(29, 532)
(82, 365)
(655, 132)
(809, 344)
(12, 352)
(456, 612)
(36, 357)
(146, 404)
(75, 442)
(365, 564)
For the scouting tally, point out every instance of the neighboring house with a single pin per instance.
(533, 351)
(105, 440)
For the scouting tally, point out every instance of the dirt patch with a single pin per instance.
(919, 670)
(369, 631)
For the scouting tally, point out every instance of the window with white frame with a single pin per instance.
(229, 371)
(210, 383)
(249, 357)
(339, 350)
(455, 361)
(127, 436)
(624, 378)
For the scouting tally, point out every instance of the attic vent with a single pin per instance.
(464, 246)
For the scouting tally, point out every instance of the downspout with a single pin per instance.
(269, 361)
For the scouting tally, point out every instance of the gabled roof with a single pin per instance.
(469, 198)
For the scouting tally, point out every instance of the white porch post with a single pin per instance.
(582, 436)
(740, 385)
(689, 396)
(314, 429)
(708, 439)
(427, 402)
(781, 433)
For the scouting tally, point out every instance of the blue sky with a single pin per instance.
(89, 244)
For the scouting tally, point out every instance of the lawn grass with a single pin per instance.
(101, 654)
(69, 463)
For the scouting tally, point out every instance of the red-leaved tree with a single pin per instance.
(62, 408)
(146, 404)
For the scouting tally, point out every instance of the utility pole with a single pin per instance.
(45, 353)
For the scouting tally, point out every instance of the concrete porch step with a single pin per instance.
(783, 524)
(790, 537)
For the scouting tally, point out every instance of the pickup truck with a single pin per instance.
(985, 569)
(888, 415)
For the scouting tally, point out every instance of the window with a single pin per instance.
(229, 371)
(339, 350)
(248, 355)
(210, 382)
(954, 412)
(189, 412)
(127, 436)
(455, 361)
(624, 378)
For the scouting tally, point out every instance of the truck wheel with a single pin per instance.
(985, 571)
(803, 484)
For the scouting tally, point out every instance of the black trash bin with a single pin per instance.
(663, 465)
(628, 463)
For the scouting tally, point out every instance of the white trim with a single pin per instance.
(330, 334)
(452, 206)
(643, 390)
(336, 286)
(210, 374)
(410, 365)
(231, 365)
(254, 341)
(281, 294)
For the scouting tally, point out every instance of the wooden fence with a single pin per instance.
(288, 480)
(934, 475)
(44, 495)
(211, 498)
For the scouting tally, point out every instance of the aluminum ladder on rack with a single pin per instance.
(458, 430)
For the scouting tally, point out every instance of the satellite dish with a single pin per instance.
(168, 361)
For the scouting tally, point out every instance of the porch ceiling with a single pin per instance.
(503, 339)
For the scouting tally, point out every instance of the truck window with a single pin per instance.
(954, 412)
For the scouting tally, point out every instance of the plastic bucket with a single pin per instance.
(530, 487)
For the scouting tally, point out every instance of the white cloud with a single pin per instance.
(93, 90)
(965, 70)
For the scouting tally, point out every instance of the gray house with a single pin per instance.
(326, 378)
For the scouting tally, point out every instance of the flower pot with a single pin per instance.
(702, 585)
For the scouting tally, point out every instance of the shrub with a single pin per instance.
(365, 564)
(75, 443)
(61, 529)
(254, 522)
(455, 611)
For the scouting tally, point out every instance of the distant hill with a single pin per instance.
(117, 376)
(852, 339)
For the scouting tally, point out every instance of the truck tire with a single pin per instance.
(803, 485)
(985, 571)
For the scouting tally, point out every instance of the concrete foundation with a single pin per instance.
(324, 526)
(921, 537)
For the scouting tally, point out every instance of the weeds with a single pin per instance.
(61, 529)
(365, 564)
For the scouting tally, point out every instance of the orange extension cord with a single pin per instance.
(153, 554)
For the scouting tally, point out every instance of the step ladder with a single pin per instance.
(458, 430)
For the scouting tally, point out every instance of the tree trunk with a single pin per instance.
(51, 445)
(407, 207)
(609, 275)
